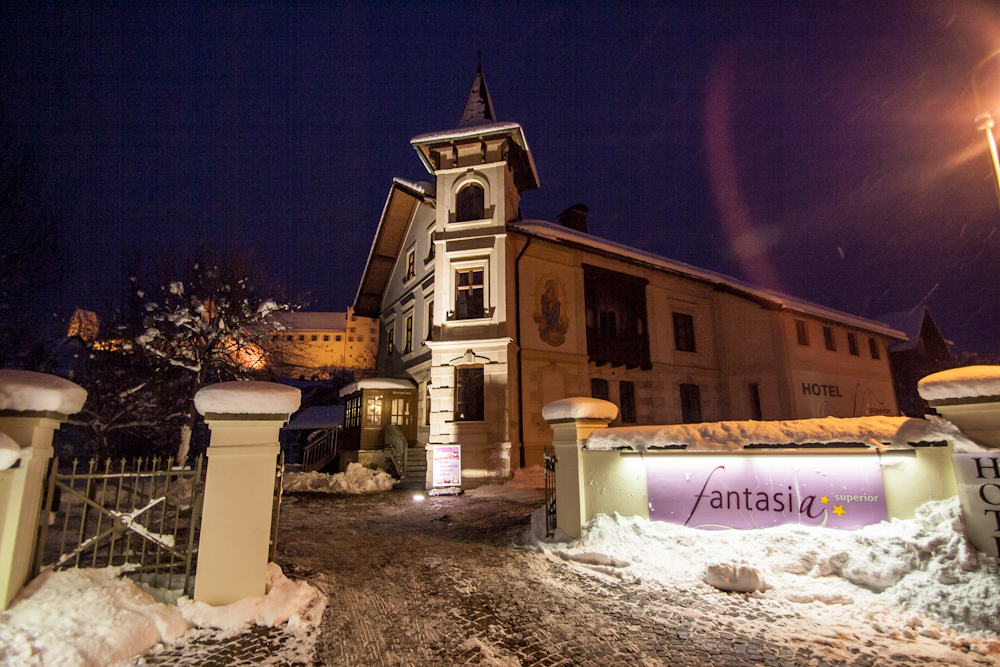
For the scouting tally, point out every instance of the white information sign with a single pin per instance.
(447, 463)
(978, 477)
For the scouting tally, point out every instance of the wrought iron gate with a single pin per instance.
(144, 516)
(550, 491)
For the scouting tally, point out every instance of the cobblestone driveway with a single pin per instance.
(439, 583)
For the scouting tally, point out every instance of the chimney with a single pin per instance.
(575, 217)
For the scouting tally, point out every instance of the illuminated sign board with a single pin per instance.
(746, 491)
(978, 478)
(822, 395)
(447, 461)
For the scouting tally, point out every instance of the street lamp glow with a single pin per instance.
(984, 120)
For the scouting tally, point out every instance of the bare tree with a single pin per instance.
(213, 324)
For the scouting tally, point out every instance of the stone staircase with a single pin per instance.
(415, 475)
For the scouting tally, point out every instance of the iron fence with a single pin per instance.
(550, 490)
(143, 516)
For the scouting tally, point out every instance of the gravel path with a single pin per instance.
(444, 582)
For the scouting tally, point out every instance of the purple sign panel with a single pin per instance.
(733, 491)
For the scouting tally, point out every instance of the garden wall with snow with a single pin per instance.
(832, 472)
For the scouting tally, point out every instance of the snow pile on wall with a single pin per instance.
(27, 391)
(924, 565)
(735, 435)
(94, 617)
(248, 397)
(356, 479)
(966, 382)
(580, 407)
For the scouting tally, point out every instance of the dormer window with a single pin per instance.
(470, 203)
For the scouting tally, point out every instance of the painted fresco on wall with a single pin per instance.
(719, 492)
(552, 324)
(820, 395)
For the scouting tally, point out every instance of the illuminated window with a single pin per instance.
(469, 393)
(684, 332)
(352, 412)
(852, 344)
(326, 338)
(410, 266)
(430, 246)
(828, 339)
(873, 346)
(626, 394)
(755, 412)
(690, 404)
(470, 204)
(801, 332)
(373, 413)
(469, 293)
(400, 412)
(599, 389)
(408, 335)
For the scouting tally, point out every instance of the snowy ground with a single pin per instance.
(95, 617)
(452, 580)
(439, 581)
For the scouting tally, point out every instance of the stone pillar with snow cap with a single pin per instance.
(32, 406)
(572, 421)
(969, 397)
(245, 418)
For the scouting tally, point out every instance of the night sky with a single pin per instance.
(827, 151)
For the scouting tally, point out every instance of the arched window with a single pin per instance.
(470, 204)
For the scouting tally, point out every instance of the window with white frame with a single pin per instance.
(470, 203)
(408, 334)
(470, 290)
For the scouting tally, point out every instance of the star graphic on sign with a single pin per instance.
(824, 500)
(838, 510)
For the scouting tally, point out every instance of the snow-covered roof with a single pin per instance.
(965, 382)
(479, 107)
(312, 321)
(27, 391)
(559, 234)
(911, 323)
(894, 432)
(248, 397)
(317, 417)
(375, 383)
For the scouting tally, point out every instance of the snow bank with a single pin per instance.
(27, 390)
(580, 407)
(94, 617)
(735, 435)
(249, 397)
(967, 382)
(10, 451)
(924, 565)
(286, 601)
(86, 618)
(356, 479)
